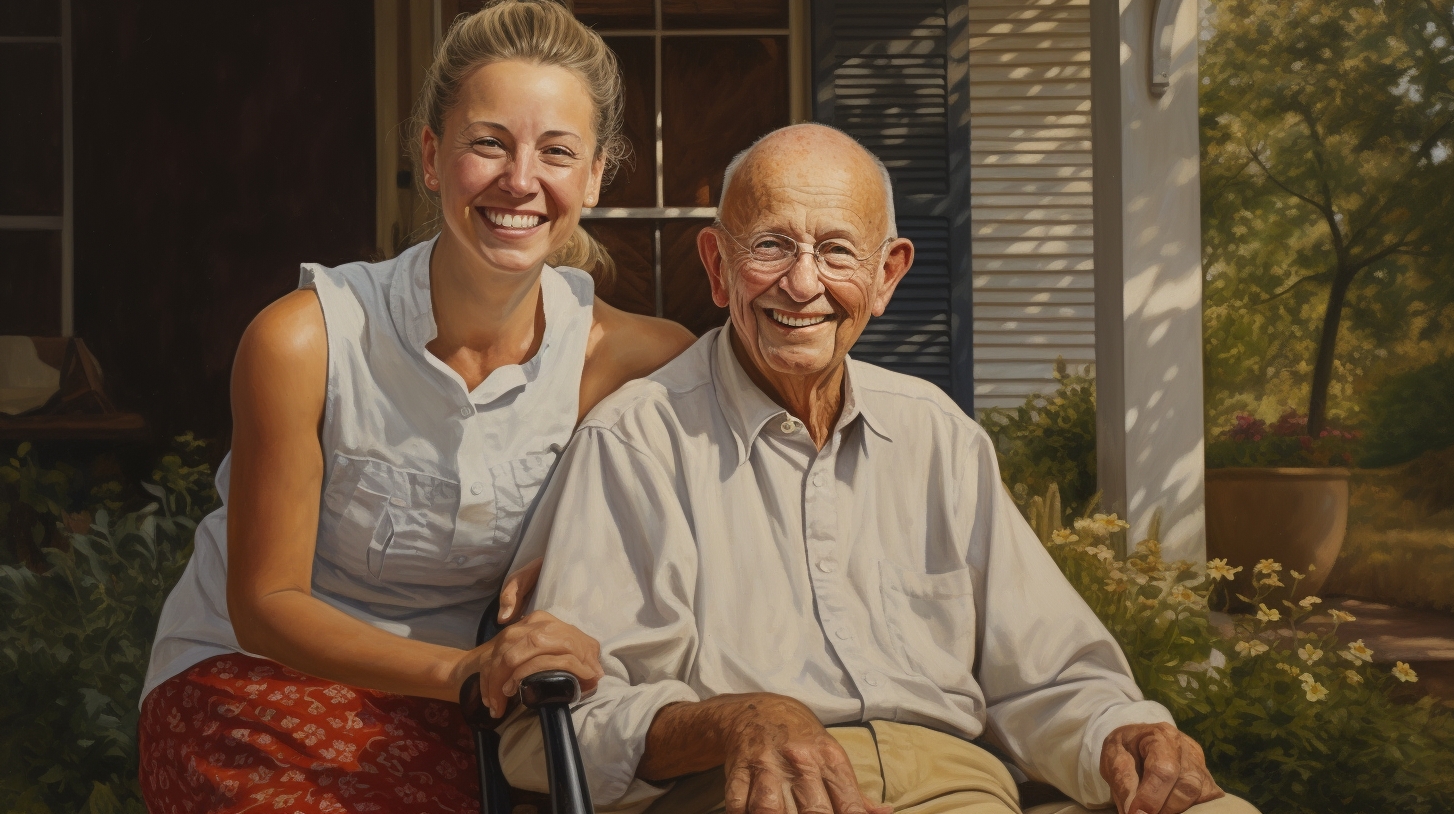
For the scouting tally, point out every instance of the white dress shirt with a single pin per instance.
(697, 532)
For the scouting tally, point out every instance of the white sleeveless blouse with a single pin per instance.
(425, 483)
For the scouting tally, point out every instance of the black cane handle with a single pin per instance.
(551, 693)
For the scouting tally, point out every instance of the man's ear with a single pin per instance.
(428, 152)
(710, 251)
(897, 259)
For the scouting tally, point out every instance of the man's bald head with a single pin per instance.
(803, 144)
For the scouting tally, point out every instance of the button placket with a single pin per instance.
(820, 530)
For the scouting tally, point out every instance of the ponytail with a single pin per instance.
(586, 253)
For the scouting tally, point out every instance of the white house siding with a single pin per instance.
(1030, 153)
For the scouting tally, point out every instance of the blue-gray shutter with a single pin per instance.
(895, 76)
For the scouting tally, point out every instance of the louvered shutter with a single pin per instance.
(894, 76)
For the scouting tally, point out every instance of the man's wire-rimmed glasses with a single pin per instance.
(770, 254)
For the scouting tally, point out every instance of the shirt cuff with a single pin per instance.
(612, 726)
(1094, 790)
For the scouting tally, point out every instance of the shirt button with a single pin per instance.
(871, 680)
(466, 412)
(476, 488)
(789, 425)
(827, 565)
(842, 633)
(817, 478)
(459, 560)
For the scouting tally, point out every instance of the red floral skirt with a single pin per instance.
(236, 733)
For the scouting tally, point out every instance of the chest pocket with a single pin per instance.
(517, 483)
(932, 617)
(386, 523)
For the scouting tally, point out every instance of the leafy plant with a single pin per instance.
(1410, 414)
(1050, 440)
(1250, 441)
(75, 638)
(1289, 717)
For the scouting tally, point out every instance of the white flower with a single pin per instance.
(1359, 649)
(1309, 654)
(1182, 594)
(1295, 575)
(1316, 691)
(1306, 679)
(1341, 616)
(1271, 580)
(1308, 602)
(1403, 672)
(1218, 569)
(1288, 668)
(1267, 614)
(1353, 676)
(1063, 536)
(1267, 566)
(1105, 554)
(1252, 648)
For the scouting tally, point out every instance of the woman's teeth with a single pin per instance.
(798, 322)
(512, 221)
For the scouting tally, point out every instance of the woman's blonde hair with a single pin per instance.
(545, 33)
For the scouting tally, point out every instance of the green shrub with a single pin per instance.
(1412, 413)
(1049, 440)
(1289, 718)
(76, 635)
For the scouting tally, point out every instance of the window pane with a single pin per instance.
(608, 14)
(30, 285)
(30, 141)
(724, 13)
(718, 94)
(629, 243)
(635, 182)
(686, 294)
(30, 18)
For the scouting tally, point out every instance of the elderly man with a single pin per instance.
(810, 589)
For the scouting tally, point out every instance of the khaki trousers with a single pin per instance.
(915, 769)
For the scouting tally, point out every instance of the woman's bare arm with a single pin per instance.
(278, 386)
(625, 346)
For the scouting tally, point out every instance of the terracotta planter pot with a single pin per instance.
(1295, 516)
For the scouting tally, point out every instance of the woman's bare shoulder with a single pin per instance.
(283, 351)
(626, 346)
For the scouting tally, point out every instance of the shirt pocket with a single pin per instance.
(517, 483)
(931, 619)
(386, 523)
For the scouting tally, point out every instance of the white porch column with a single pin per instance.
(1148, 274)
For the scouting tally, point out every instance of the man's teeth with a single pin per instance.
(798, 322)
(512, 221)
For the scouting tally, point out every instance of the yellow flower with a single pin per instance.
(1359, 649)
(1306, 678)
(1308, 602)
(1267, 566)
(1085, 525)
(1295, 575)
(1353, 676)
(1316, 691)
(1147, 603)
(1267, 614)
(1288, 668)
(1309, 654)
(1272, 580)
(1110, 522)
(1114, 586)
(1403, 672)
(1252, 648)
(1105, 554)
(1341, 616)
(1063, 536)
(1218, 569)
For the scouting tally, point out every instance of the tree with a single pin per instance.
(1328, 127)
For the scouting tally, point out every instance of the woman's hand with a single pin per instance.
(534, 644)
(515, 594)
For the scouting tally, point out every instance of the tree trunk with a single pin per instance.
(1327, 345)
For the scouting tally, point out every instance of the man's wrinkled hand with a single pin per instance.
(778, 751)
(1156, 769)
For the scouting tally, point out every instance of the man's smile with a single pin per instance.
(791, 319)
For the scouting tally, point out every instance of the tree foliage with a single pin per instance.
(1328, 200)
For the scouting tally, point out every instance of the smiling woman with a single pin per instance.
(393, 423)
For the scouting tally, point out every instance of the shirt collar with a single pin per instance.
(413, 311)
(748, 409)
